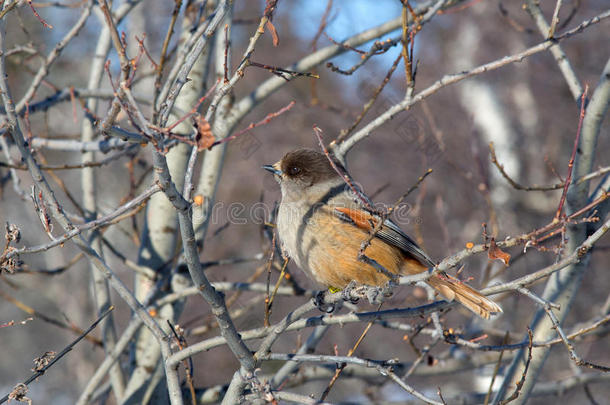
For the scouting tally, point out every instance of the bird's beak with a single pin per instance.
(273, 169)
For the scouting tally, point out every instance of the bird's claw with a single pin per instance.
(321, 304)
(377, 295)
(351, 293)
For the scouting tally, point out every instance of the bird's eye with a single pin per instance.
(294, 170)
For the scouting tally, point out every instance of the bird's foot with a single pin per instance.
(321, 304)
(352, 292)
(377, 295)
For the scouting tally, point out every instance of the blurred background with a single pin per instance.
(525, 108)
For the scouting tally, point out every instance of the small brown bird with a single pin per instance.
(322, 224)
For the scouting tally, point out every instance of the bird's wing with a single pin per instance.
(389, 232)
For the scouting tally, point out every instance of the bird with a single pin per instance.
(323, 221)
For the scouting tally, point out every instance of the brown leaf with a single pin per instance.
(276, 38)
(205, 138)
(495, 252)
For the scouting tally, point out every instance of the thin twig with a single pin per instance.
(276, 70)
(573, 157)
(65, 351)
(350, 352)
(548, 308)
(161, 65)
(340, 172)
(341, 149)
(345, 132)
(269, 299)
(253, 125)
(519, 385)
(496, 370)
(555, 19)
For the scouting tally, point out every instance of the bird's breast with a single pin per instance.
(289, 220)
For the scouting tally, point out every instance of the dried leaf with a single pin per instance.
(205, 138)
(495, 252)
(276, 38)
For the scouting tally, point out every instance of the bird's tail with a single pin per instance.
(465, 295)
